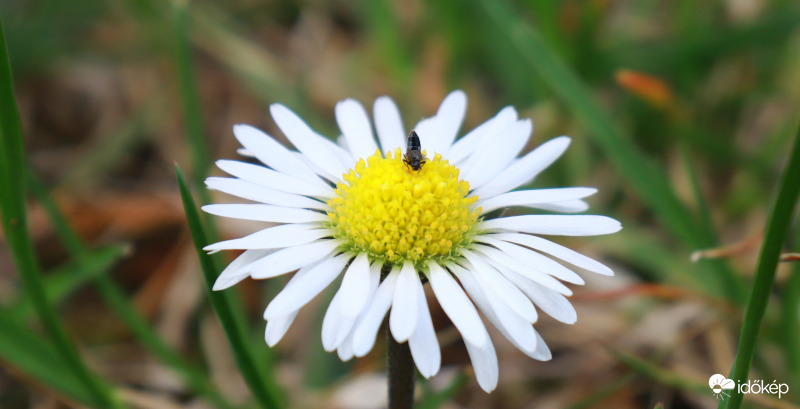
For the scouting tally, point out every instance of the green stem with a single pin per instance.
(12, 201)
(777, 227)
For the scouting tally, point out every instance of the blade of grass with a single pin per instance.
(261, 386)
(780, 218)
(199, 151)
(118, 301)
(646, 179)
(27, 352)
(790, 319)
(64, 280)
(703, 210)
(662, 375)
(791, 326)
(387, 35)
(14, 220)
(190, 99)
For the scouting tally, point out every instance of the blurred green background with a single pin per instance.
(682, 113)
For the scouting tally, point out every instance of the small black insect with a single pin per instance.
(413, 156)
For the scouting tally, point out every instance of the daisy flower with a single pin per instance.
(355, 208)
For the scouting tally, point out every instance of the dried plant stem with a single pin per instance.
(401, 374)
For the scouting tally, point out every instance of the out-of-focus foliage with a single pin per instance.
(699, 97)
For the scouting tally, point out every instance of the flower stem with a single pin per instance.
(401, 374)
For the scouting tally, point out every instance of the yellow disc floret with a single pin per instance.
(395, 214)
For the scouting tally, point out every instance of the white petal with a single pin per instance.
(367, 329)
(533, 197)
(333, 324)
(389, 125)
(354, 123)
(424, 345)
(337, 325)
(308, 141)
(503, 263)
(532, 258)
(448, 121)
(525, 169)
(561, 225)
(484, 363)
(285, 235)
(258, 193)
(469, 143)
(493, 281)
(507, 264)
(277, 327)
(567, 206)
(244, 152)
(232, 273)
(555, 250)
(292, 258)
(265, 213)
(542, 352)
(513, 327)
(274, 180)
(407, 293)
(495, 153)
(355, 286)
(305, 285)
(551, 302)
(457, 306)
(340, 151)
(345, 350)
(273, 154)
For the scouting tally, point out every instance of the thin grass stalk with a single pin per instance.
(260, 385)
(791, 319)
(66, 279)
(12, 201)
(190, 99)
(118, 301)
(778, 222)
(31, 354)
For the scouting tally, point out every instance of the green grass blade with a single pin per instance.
(190, 99)
(261, 386)
(649, 181)
(182, 20)
(28, 353)
(780, 218)
(64, 280)
(790, 317)
(113, 295)
(12, 163)
(662, 375)
(194, 378)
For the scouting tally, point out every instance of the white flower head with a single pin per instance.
(355, 208)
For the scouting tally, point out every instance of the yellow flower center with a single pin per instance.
(395, 214)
